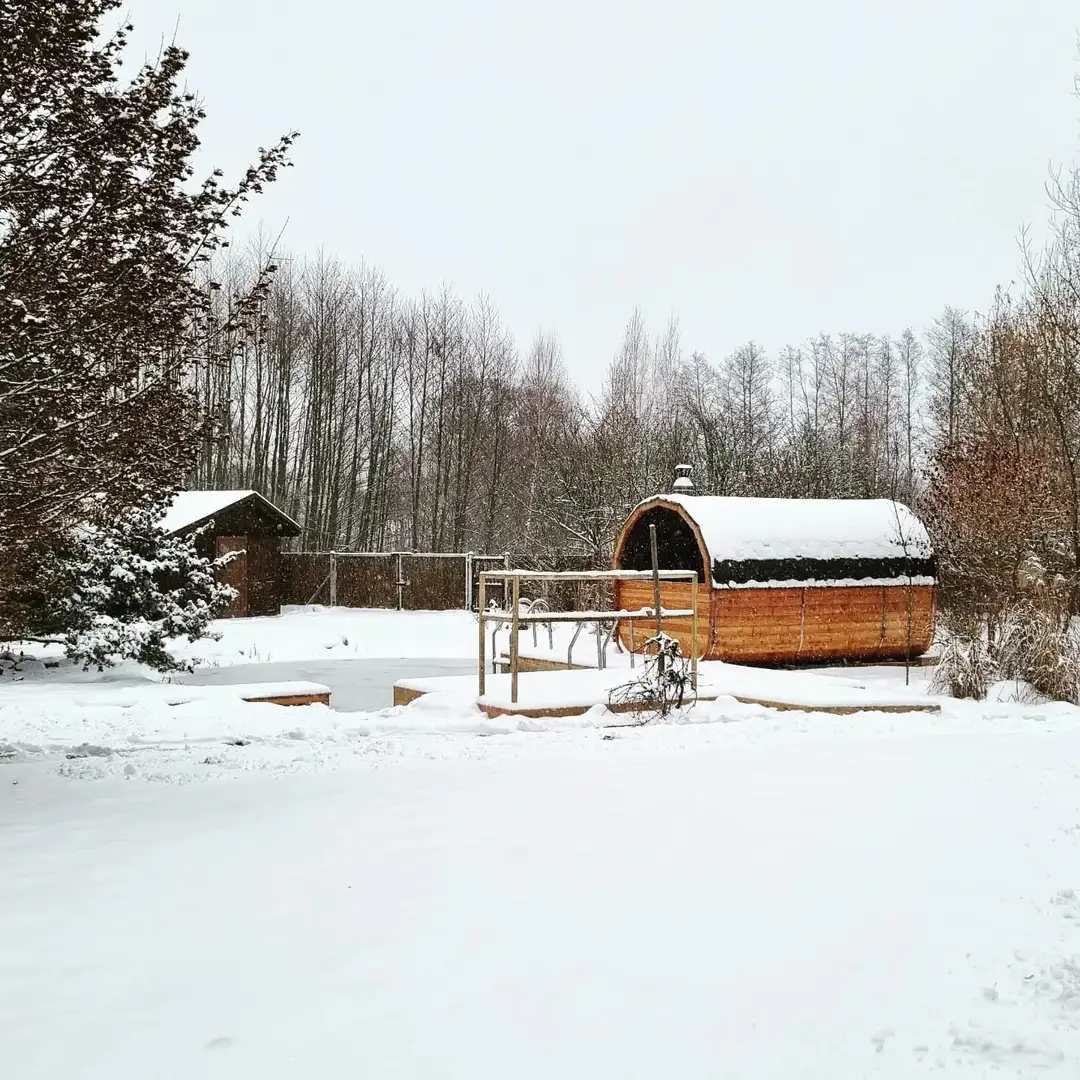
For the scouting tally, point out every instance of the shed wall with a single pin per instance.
(234, 573)
(263, 575)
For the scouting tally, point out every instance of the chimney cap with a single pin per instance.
(683, 484)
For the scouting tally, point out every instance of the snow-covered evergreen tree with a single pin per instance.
(119, 591)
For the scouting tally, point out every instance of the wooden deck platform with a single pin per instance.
(272, 693)
(550, 692)
(321, 698)
(539, 663)
(405, 695)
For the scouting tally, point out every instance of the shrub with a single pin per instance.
(119, 591)
(663, 685)
(1037, 646)
(967, 668)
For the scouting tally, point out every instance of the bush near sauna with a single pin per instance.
(966, 669)
(1005, 567)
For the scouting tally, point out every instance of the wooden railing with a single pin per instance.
(515, 617)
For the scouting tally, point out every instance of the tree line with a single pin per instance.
(384, 421)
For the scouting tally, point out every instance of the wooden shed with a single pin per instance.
(788, 580)
(241, 521)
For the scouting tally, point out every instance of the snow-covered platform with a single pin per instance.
(294, 692)
(575, 692)
(287, 693)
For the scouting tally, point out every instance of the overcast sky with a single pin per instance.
(765, 169)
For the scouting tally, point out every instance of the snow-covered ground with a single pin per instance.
(321, 633)
(133, 720)
(417, 892)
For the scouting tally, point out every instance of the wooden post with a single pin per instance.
(910, 619)
(481, 608)
(333, 579)
(514, 642)
(656, 596)
(693, 633)
(400, 584)
(468, 580)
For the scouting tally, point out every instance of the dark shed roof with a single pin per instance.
(238, 512)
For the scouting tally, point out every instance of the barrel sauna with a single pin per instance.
(785, 581)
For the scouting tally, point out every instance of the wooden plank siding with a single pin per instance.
(292, 699)
(635, 595)
(234, 573)
(763, 624)
(785, 625)
(263, 574)
(846, 622)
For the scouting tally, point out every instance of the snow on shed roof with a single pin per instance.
(191, 507)
(736, 528)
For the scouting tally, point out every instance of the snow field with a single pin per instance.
(311, 633)
(425, 892)
(692, 901)
(323, 633)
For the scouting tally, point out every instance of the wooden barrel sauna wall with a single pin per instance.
(785, 580)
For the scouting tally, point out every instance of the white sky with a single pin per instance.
(764, 169)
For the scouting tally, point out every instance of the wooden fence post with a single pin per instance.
(400, 584)
(333, 579)
(480, 620)
(468, 580)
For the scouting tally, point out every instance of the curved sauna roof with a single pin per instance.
(780, 542)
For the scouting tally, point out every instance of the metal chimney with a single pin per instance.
(683, 484)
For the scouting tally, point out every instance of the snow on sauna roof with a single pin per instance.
(191, 507)
(739, 529)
